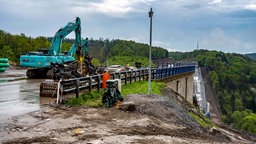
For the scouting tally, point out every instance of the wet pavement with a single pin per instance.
(18, 95)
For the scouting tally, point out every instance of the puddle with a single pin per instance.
(18, 97)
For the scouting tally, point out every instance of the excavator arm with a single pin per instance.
(82, 46)
(55, 47)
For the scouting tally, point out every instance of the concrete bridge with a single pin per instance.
(182, 84)
(191, 86)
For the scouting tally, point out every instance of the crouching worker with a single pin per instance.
(111, 94)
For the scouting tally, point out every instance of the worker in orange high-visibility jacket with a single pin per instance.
(105, 77)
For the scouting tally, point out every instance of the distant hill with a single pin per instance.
(103, 51)
(251, 55)
(233, 78)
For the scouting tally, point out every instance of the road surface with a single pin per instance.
(18, 95)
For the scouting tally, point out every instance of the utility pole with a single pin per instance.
(107, 51)
(150, 14)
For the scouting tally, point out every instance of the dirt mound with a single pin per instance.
(163, 108)
(169, 110)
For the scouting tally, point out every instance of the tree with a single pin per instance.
(249, 123)
(232, 76)
(7, 52)
(237, 117)
(232, 101)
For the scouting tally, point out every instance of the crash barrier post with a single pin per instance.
(119, 84)
(77, 85)
(77, 88)
(99, 84)
(125, 76)
(59, 92)
(90, 84)
(130, 77)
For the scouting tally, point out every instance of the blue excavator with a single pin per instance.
(54, 63)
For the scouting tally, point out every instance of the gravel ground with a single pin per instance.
(154, 119)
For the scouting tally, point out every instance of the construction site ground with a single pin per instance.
(146, 119)
(154, 119)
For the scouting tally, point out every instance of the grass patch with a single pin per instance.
(142, 88)
(205, 122)
(94, 98)
(90, 99)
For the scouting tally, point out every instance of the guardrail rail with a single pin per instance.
(77, 85)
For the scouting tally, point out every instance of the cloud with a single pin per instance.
(215, 2)
(193, 6)
(251, 7)
(112, 8)
(218, 39)
(227, 25)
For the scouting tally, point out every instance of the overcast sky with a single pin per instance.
(222, 25)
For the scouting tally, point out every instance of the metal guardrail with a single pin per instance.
(94, 82)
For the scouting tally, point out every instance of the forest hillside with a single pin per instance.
(115, 51)
(233, 77)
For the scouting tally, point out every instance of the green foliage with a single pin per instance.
(131, 48)
(6, 52)
(12, 46)
(142, 88)
(122, 60)
(66, 46)
(215, 80)
(233, 77)
(121, 51)
(245, 120)
(249, 123)
(237, 116)
(204, 121)
(95, 62)
(90, 99)
(198, 119)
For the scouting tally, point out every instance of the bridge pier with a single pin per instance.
(182, 84)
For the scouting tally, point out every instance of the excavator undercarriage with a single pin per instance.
(65, 70)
